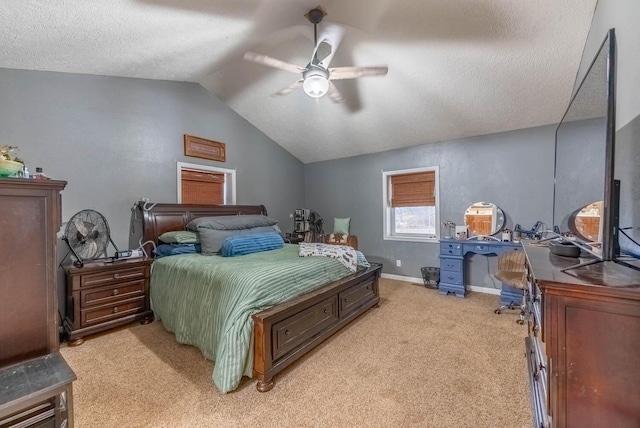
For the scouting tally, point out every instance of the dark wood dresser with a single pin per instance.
(105, 295)
(583, 346)
(35, 381)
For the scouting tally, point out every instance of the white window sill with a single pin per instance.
(412, 239)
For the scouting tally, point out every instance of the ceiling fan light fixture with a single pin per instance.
(316, 85)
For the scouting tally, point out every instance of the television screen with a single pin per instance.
(583, 191)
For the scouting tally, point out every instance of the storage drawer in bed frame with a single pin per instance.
(286, 332)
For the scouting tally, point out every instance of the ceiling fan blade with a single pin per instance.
(272, 62)
(288, 89)
(327, 44)
(335, 94)
(339, 73)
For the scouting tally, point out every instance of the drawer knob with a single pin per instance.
(326, 310)
(286, 332)
(115, 292)
(115, 309)
(346, 300)
(116, 275)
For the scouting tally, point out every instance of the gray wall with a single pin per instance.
(627, 170)
(118, 139)
(512, 169)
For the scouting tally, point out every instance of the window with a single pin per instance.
(201, 184)
(411, 204)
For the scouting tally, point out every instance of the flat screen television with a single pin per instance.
(586, 195)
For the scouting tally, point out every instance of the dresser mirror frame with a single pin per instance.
(586, 222)
(479, 213)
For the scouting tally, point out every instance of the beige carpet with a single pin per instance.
(420, 360)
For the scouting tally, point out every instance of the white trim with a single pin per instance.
(386, 223)
(231, 173)
(486, 290)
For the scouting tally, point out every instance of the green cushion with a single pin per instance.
(341, 225)
(179, 237)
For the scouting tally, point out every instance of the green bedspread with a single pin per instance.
(207, 301)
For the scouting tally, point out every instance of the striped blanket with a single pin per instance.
(207, 301)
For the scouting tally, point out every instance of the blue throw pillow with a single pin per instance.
(248, 243)
(164, 250)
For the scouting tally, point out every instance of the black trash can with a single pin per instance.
(431, 276)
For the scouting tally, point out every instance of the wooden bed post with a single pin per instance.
(260, 357)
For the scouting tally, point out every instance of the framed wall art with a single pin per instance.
(204, 149)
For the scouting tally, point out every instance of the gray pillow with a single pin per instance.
(211, 240)
(230, 222)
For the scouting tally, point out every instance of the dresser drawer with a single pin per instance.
(112, 293)
(454, 278)
(451, 265)
(108, 277)
(451, 248)
(354, 297)
(100, 314)
(539, 391)
(291, 332)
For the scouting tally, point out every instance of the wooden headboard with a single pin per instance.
(163, 218)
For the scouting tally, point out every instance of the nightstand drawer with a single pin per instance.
(100, 314)
(451, 265)
(100, 278)
(112, 293)
(451, 248)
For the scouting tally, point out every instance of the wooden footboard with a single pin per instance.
(284, 333)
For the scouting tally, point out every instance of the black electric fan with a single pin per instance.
(87, 234)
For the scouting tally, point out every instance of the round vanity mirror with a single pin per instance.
(484, 219)
(586, 222)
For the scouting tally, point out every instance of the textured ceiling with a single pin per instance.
(457, 68)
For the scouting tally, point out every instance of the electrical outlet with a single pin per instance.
(398, 263)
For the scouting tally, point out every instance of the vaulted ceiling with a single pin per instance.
(457, 68)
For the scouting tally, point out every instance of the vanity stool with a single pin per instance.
(511, 272)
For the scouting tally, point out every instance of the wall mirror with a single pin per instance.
(484, 219)
(586, 222)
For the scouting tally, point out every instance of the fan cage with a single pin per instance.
(88, 235)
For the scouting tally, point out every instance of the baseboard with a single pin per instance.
(415, 280)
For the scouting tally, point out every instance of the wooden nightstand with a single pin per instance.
(102, 296)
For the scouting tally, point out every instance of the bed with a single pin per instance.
(280, 333)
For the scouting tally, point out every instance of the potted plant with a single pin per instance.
(9, 164)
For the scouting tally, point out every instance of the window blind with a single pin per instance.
(202, 187)
(413, 190)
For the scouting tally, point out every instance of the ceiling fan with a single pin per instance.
(317, 76)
